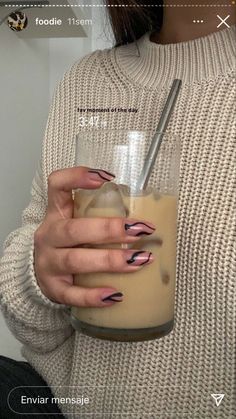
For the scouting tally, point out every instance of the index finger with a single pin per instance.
(61, 182)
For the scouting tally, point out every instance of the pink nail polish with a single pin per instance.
(116, 296)
(140, 258)
(139, 228)
(100, 175)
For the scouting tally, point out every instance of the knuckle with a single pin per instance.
(86, 299)
(109, 259)
(62, 296)
(112, 227)
(69, 261)
(53, 230)
(108, 227)
(41, 263)
(43, 283)
(38, 237)
(52, 179)
(120, 226)
(70, 229)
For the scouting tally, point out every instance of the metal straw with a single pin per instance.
(158, 136)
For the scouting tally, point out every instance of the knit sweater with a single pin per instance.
(173, 376)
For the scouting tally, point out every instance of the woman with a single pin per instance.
(170, 377)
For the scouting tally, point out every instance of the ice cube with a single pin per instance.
(107, 202)
(124, 189)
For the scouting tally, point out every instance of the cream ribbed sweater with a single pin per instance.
(174, 376)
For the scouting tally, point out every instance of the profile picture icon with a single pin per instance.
(17, 21)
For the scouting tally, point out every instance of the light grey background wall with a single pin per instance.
(29, 71)
(24, 100)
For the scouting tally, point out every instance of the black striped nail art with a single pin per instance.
(135, 257)
(142, 232)
(98, 172)
(113, 297)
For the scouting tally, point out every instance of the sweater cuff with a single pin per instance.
(31, 286)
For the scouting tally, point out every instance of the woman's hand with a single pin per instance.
(57, 255)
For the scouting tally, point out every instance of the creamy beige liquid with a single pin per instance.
(149, 293)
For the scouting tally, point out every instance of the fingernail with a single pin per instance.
(100, 175)
(117, 296)
(139, 228)
(140, 258)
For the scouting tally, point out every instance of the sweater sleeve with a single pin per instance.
(33, 319)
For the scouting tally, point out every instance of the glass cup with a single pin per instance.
(147, 309)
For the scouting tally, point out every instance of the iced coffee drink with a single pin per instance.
(147, 310)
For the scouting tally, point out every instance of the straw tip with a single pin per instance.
(178, 81)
